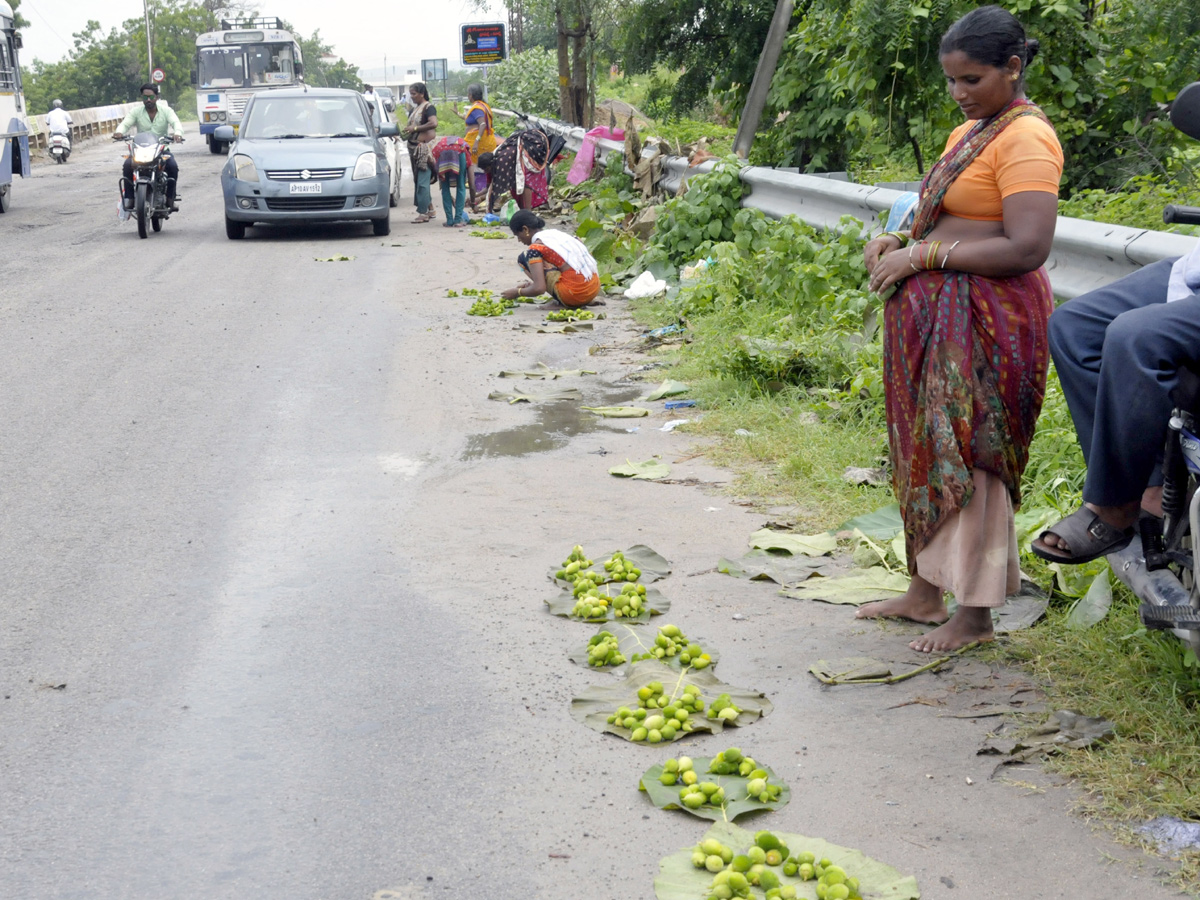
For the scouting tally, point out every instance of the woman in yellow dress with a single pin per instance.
(481, 137)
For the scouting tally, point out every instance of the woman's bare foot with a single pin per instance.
(968, 625)
(922, 602)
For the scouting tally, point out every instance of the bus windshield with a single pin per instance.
(251, 65)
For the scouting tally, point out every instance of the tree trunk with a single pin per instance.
(579, 76)
(564, 66)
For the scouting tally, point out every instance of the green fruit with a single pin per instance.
(732, 755)
(738, 881)
(758, 856)
(639, 734)
(835, 875)
(805, 871)
(787, 892)
(837, 892)
(756, 787)
(767, 840)
(698, 859)
(714, 863)
(722, 892)
(689, 777)
(654, 722)
(741, 863)
(768, 879)
(789, 867)
(667, 778)
(711, 846)
(699, 662)
(726, 855)
(709, 788)
(774, 857)
(669, 732)
(685, 764)
(806, 857)
(694, 801)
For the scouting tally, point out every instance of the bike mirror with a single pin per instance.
(1185, 111)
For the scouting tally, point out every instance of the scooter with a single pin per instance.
(149, 154)
(1159, 564)
(59, 147)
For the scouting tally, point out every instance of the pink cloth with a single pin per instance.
(585, 159)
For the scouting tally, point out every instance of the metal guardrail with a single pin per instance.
(85, 123)
(1085, 255)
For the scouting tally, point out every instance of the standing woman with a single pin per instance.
(453, 158)
(481, 137)
(518, 167)
(420, 133)
(965, 335)
(557, 263)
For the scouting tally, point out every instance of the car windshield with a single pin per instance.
(384, 92)
(303, 117)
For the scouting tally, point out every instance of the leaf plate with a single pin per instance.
(665, 797)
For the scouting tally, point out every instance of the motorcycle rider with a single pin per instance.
(161, 120)
(1118, 350)
(58, 120)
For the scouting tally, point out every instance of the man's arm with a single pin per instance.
(126, 123)
(173, 121)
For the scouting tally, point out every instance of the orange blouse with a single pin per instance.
(1025, 156)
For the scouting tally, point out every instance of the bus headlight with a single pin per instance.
(243, 168)
(365, 167)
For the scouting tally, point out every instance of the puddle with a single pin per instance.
(554, 425)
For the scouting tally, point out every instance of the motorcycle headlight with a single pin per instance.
(144, 154)
(243, 168)
(365, 167)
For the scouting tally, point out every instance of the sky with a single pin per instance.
(363, 32)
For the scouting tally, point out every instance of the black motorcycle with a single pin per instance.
(1159, 566)
(149, 154)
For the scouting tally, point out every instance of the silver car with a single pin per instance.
(306, 155)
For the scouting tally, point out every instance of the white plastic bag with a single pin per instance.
(645, 285)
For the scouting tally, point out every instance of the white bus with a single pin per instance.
(244, 57)
(14, 128)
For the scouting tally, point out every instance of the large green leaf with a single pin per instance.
(881, 525)
(668, 388)
(806, 544)
(633, 639)
(598, 702)
(1093, 606)
(545, 373)
(736, 802)
(859, 587)
(649, 469)
(651, 563)
(518, 396)
(678, 879)
(656, 604)
(762, 565)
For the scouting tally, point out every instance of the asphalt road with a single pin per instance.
(272, 572)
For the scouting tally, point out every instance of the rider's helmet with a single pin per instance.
(57, 104)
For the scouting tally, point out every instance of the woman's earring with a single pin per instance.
(1016, 75)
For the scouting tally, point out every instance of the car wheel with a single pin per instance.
(235, 231)
(4, 199)
(214, 146)
(394, 196)
(382, 227)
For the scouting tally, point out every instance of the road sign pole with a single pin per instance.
(149, 52)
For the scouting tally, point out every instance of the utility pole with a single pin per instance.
(756, 100)
(149, 52)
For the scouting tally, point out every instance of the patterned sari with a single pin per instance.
(965, 360)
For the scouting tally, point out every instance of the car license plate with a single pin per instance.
(306, 187)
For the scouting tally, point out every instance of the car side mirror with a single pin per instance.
(224, 133)
(389, 130)
(195, 77)
(299, 68)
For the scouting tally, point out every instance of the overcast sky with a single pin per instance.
(361, 31)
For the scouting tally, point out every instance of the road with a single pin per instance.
(272, 617)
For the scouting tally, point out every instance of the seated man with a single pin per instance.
(58, 120)
(161, 121)
(1117, 351)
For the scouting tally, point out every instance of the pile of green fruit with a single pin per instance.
(732, 762)
(576, 562)
(723, 708)
(489, 235)
(603, 650)
(630, 603)
(486, 307)
(670, 643)
(832, 881)
(618, 568)
(705, 793)
(712, 855)
(570, 315)
(658, 717)
(754, 868)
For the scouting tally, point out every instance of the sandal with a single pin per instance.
(1088, 536)
(420, 220)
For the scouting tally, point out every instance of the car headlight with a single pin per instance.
(365, 167)
(243, 168)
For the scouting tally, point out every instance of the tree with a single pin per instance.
(714, 43)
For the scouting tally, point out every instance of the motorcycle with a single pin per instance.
(1159, 565)
(59, 147)
(149, 154)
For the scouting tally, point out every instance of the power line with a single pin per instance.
(29, 4)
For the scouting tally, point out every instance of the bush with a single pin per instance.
(526, 82)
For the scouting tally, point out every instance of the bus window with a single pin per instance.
(222, 67)
(270, 64)
(8, 72)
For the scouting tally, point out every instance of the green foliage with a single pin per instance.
(1139, 204)
(713, 44)
(709, 212)
(527, 82)
(603, 218)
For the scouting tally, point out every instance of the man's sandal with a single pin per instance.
(1088, 537)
